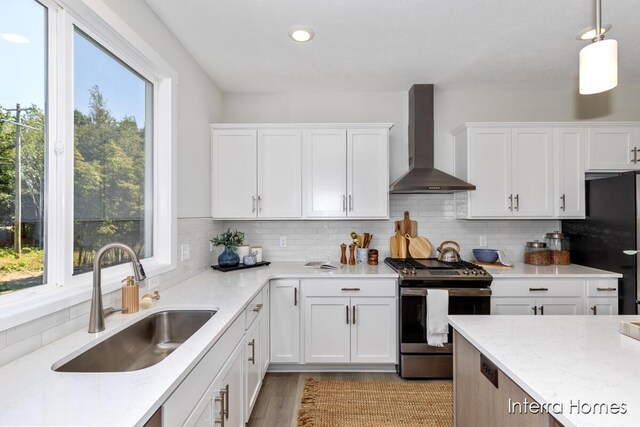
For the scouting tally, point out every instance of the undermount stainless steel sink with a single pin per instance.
(145, 343)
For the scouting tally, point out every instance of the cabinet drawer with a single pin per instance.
(182, 401)
(537, 287)
(342, 287)
(253, 309)
(602, 288)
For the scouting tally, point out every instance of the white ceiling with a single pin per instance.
(387, 45)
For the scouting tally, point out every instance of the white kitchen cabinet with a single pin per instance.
(327, 330)
(325, 172)
(223, 398)
(234, 173)
(560, 305)
(601, 306)
(264, 334)
(285, 321)
(368, 173)
(253, 365)
(510, 306)
(537, 306)
(373, 330)
(570, 150)
(532, 172)
(613, 148)
(279, 173)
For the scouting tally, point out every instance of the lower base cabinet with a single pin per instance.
(480, 403)
(253, 365)
(222, 403)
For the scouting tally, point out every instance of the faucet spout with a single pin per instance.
(96, 316)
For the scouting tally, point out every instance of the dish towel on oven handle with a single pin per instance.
(437, 310)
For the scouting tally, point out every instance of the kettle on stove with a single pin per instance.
(447, 253)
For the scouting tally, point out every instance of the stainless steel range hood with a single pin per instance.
(422, 176)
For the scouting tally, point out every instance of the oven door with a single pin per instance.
(413, 315)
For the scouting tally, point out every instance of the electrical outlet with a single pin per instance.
(283, 241)
(185, 252)
(482, 241)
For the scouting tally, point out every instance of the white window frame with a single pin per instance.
(63, 289)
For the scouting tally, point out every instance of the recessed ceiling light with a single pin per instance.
(15, 38)
(589, 33)
(300, 33)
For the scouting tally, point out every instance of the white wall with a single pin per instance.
(199, 104)
(452, 108)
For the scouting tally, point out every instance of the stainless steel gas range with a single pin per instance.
(469, 293)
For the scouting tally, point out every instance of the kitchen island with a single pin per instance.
(549, 370)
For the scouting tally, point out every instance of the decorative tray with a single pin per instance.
(239, 266)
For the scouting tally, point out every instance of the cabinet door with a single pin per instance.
(224, 397)
(612, 148)
(325, 173)
(602, 306)
(490, 171)
(285, 319)
(570, 176)
(368, 173)
(233, 173)
(327, 330)
(523, 306)
(373, 330)
(264, 337)
(279, 173)
(532, 172)
(561, 305)
(253, 367)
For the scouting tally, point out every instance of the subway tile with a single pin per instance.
(60, 331)
(19, 349)
(35, 327)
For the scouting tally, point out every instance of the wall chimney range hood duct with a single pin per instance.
(422, 177)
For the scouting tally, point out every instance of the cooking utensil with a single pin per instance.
(356, 239)
(449, 254)
(419, 247)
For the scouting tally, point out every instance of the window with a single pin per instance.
(112, 156)
(23, 76)
(91, 107)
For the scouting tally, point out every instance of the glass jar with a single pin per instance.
(558, 245)
(537, 253)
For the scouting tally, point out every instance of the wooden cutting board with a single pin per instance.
(398, 246)
(492, 265)
(419, 247)
(406, 226)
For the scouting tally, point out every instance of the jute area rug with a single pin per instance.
(370, 403)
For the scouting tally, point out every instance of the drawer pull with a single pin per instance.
(605, 289)
(252, 359)
(351, 289)
(538, 289)
(257, 308)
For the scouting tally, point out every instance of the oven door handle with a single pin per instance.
(453, 292)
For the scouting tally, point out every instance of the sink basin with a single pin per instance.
(145, 343)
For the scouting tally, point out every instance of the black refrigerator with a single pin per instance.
(611, 226)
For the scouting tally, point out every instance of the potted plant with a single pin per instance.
(230, 240)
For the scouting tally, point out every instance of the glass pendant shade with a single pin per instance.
(599, 67)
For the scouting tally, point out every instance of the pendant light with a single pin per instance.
(599, 60)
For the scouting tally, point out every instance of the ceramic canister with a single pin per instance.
(243, 251)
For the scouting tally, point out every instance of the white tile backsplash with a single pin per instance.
(30, 336)
(320, 240)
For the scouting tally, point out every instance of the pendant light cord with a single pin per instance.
(598, 26)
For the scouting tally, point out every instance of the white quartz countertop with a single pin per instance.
(521, 270)
(31, 393)
(563, 360)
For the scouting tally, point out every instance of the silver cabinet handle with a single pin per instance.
(535, 310)
(517, 202)
(259, 204)
(257, 308)
(595, 310)
(542, 310)
(538, 289)
(510, 202)
(605, 289)
(564, 202)
(253, 204)
(224, 408)
(350, 289)
(353, 316)
(344, 202)
(252, 359)
(350, 203)
(226, 401)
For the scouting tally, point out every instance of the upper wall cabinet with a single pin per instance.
(613, 147)
(297, 171)
(521, 170)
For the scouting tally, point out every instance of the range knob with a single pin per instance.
(465, 272)
(405, 271)
(483, 272)
(474, 272)
(413, 271)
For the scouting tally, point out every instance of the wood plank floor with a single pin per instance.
(279, 399)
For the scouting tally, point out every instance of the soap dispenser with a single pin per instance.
(130, 296)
